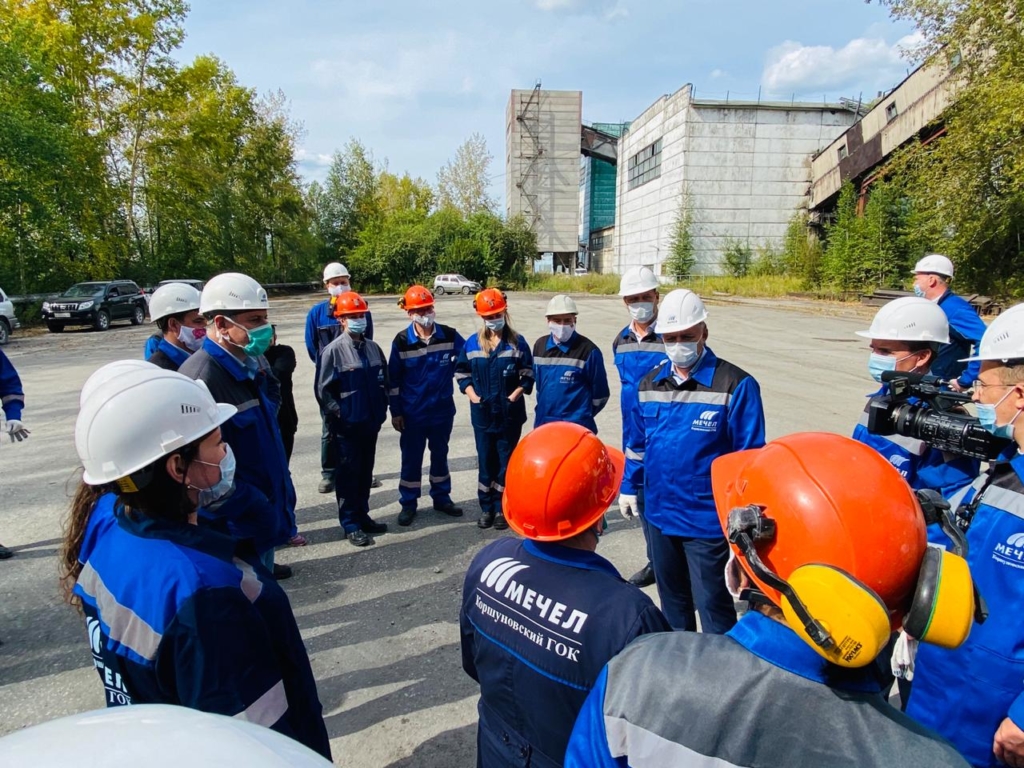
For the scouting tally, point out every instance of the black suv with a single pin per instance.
(96, 304)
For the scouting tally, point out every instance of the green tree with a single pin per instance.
(682, 255)
(464, 181)
(737, 257)
(801, 250)
(350, 198)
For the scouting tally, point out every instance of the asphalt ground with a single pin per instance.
(381, 623)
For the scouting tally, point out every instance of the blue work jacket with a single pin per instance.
(151, 345)
(921, 465)
(168, 356)
(965, 693)
(352, 383)
(683, 428)
(572, 384)
(12, 396)
(180, 614)
(965, 332)
(262, 504)
(757, 695)
(539, 621)
(422, 390)
(494, 377)
(322, 328)
(634, 358)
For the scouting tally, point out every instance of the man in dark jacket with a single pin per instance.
(174, 307)
(541, 617)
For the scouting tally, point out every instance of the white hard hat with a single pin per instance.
(233, 291)
(935, 263)
(173, 299)
(1004, 338)
(909, 319)
(125, 426)
(637, 280)
(561, 305)
(680, 310)
(119, 369)
(157, 735)
(333, 270)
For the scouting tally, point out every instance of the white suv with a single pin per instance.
(8, 320)
(455, 284)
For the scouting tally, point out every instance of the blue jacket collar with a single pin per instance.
(780, 646)
(239, 370)
(563, 347)
(1016, 459)
(703, 372)
(568, 556)
(627, 333)
(202, 539)
(412, 338)
(176, 355)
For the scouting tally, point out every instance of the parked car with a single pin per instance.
(455, 284)
(197, 284)
(580, 272)
(96, 304)
(8, 321)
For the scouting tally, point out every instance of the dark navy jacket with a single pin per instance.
(168, 356)
(180, 614)
(352, 383)
(682, 428)
(965, 332)
(965, 693)
(12, 396)
(634, 358)
(494, 377)
(539, 621)
(262, 506)
(921, 465)
(322, 328)
(755, 696)
(421, 375)
(572, 384)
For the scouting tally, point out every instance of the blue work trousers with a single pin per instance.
(414, 440)
(356, 448)
(493, 450)
(328, 457)
(691, 575)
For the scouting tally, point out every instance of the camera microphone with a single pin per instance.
(913, 378)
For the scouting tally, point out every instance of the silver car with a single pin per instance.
(8, 320)
(455, 284)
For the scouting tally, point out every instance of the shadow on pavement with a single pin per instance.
(440, 751)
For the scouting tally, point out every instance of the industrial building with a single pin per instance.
(599, 191)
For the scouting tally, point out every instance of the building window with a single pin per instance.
(597, 242)
(843, 152)
(645, 165)
(891, 112)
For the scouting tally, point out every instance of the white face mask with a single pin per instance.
(642, 311)
(425, 320)
(191, 338)
(495, 325)
(220, 489)
(684, 353)
(337, 290)
(561, 333)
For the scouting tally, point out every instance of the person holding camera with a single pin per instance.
(906, 335)
(974, 695)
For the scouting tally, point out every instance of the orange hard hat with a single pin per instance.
(833, 501)
(560, 479)
(417, 297)
(349, 303)
(490, 301)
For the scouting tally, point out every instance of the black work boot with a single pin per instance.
(449, 509)
(644, 577)
(326, 485)
(371, 527)
(500, 523)
(359, 539)
(406, 515)
(486, 520)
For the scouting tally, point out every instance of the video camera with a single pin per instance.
(937, 421)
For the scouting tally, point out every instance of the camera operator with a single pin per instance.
(905, 336)
(974, 695)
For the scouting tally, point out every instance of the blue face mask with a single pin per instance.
(357, 325)
(987, 418)
(879, 364)
(918, 291)
(496, 325)
(209, 497)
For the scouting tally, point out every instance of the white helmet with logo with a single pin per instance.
(233, 291)
(155, 735)
(637, 280)
(173, 299)
(561, 305)
(680, 310)
(935, 263)
(909, 319)
(1004, 338)
(126, 425)
(333, 270)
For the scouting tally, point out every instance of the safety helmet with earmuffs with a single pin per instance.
(490, 301)
(831, 533)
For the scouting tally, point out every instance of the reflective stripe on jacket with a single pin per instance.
(421, 375)
(572, 384)
(12, 396)
(322, 328)
(352, 381)
(494, 377)
(634, 358)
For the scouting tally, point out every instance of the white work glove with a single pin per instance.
(629, 506)
(903, 654)
(17, 430)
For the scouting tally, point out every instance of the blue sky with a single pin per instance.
(412, 80)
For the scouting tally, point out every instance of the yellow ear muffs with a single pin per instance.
(850, 611)
(943, 607)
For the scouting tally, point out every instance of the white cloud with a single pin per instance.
(863, 62)
(317, 159)
(717, 74)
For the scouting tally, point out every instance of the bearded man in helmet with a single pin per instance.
(422, 400)
(791, 684)
(974, 695)
(689, 410)
(541, 617)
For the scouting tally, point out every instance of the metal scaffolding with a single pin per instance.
(530, 151)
